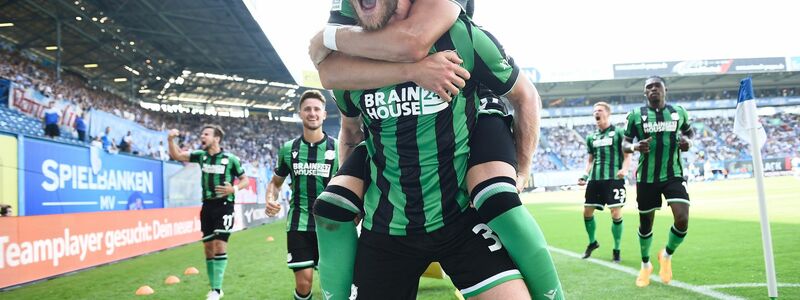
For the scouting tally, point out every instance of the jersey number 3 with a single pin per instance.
(488, 234)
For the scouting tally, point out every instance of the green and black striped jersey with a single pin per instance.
(665, 126)
(605, 146)
(418, 143)
(216, 170)
(310, 166)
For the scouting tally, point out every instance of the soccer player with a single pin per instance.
(662, 131)
(493, 190)
(409, 39)
(606, 169)
(310, 160)
(219, 168)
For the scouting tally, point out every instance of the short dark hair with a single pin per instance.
(218, 132)
(656, 77)
(311, 94)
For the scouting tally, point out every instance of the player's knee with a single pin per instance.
(494, 197)
(337, 203)
(303, 285)
(682, 222)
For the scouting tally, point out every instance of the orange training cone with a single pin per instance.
(191, 271)
(172, 279)
(144, 290)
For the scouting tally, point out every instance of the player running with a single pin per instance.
(606, 169)
(310, 160)
(662, 131)
(219, 168)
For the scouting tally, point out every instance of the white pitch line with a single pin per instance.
(678, 284)
(750, 284)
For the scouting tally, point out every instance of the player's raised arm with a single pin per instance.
(406, 40)
(175, 152)
(439, 73)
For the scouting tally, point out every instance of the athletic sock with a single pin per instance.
(675, 239)
(499, 206)
(210, 270)
(220, 263)
(645, 240)
(616, 231)
(334, 212)
(590, 226)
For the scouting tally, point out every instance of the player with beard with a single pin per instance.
(493, 192)
(605, 171)
(310, 160)
(219, 168)
(663, 131)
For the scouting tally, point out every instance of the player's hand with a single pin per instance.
(581, 181)
(522, 181)
(224, 190)
(273, 208)
(317, 50)
(173, 133)
(684, 144)
(441, 73)
(644, 145)
(621, 174)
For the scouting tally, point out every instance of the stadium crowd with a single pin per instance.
(255, 139)
(677, 96)
(563, 148)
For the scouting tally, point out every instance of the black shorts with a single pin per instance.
(492, 140)
(600, 193)
(356, 164)
(389, 267)
(52, 130)
(648, 195)
(216, 219)
(301, 249)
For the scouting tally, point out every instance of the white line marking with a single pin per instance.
(69, 203)
(697, 289)
(750, 284)
(148, 201)
(122, 202)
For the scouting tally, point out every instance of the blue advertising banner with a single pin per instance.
(62, 178)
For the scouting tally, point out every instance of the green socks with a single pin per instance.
(675, 239)
(210, 270)
(644, 244)
(590, 225)
(337, 256)
(219, 264)
(616, 231)
(525, 243)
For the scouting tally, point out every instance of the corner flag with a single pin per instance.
(749, 129)
(746, 115)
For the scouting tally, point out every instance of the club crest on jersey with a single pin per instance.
(402, 102)
(674, 116)
(330, 154)
(224, 161)
(294, 154)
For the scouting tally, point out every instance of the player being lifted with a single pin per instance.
(494, 190)
(606, 169)
(662, 131)
(310, 160)
(218, 168)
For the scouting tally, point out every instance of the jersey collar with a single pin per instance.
(324, 138)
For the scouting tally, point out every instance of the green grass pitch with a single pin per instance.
(721, 251)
